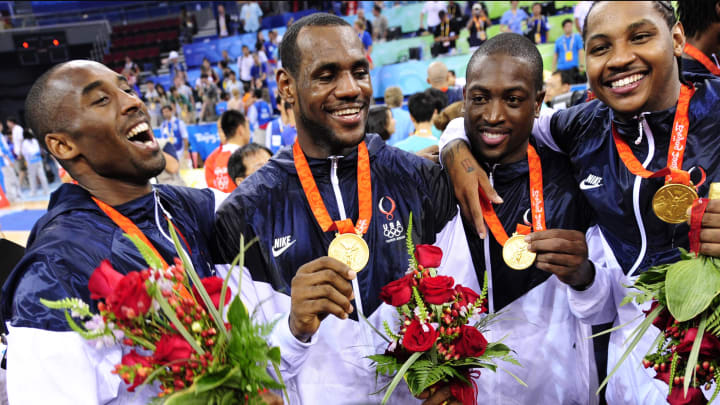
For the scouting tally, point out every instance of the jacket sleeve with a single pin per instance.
(596, 304)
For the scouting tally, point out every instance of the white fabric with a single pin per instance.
(17, 138)
(245, 63)
(431, 10)
(332, 366)
(580, 12)
(30, 148)
(45, 367)
(632, 384)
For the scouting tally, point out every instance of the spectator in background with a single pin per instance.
(445, 34)
(452, 80)
(348, 7)
(222, 22)
(209, 94)
(259, 114)
(284, 124)
(151, 98)
(225, 58)
(130, 66)
(174, 64)
(244, 63)
(437, 78)
(16, 136)
(174, 131)
(422, 108)
(188, 26)
(569, 53)
(431, 10)
(558, 83)
(207, 68)
(231, 83)
(537, 25)
(440, 102)
(580, 11)
(368, 24)
(235, 102)
(271, 46)
(454, 12)
(258, 72)
(171, 173)
(235, 132)
(380, 121)
(184, 96)
(701, 22)
(7, 166)
(512, 19)
(365, 37)
(380, 27)
(403, 123)
(477, 25)
(33, 157)
(250, 15)
(246, 161)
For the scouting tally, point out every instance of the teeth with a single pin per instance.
(626, 81)
(142, 127)
(347, 111)
(491, 135)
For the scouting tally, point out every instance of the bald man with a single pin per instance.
(93, 123)
(438, 78)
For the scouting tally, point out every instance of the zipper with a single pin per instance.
(636, 196)
(336, 185)
(486, 249)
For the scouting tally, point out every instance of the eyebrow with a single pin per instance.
(332, 66)
(630, 28)
(478, 87)
(92, 86)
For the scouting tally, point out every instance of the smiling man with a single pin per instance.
(336, 179)
(94, 124)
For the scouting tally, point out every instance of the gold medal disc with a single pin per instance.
(350, 249)
(672, 201)
(516, 253)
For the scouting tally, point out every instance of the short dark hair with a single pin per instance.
(40, 105)
(665, 9)
(12, 119)
(377, 8)
(257, 93)
(453, 73)
(566, 21)
(289, 52)
(514, 45)
(566, 76)
(236, 164)
(421, 107)
(377, 121)
(438, 97)
(166, 107)
(696, 15)
(230, 120)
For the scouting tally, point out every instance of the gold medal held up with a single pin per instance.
(672, 201)
(350, 249)
(516, 254)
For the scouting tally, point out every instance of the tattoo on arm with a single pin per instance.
(448, 153)
(467, 164)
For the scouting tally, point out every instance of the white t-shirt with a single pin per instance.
(245, 63)
(31, 150)
(431, 10)
(580, 12)
(17, 138)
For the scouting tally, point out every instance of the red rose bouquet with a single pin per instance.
(172, 325)
(434, 343)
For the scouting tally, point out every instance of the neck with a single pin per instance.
(112, 191)
(707, 44)
(320, 150)
(424, 127)
(236, 141)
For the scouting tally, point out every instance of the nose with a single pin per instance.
(622, 55)
(495, 113)
(129, 102)
(347, 86)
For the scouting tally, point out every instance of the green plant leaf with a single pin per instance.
(694, 353)
(399, 376)
(690, 286)
(238, 314)
(150, 257)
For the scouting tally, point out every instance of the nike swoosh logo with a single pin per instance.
(278, 252)
(585, 186)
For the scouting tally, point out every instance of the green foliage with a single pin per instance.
(673, 370)
(389, 332)
(690, 287)
(152, 260)
(385, 365)
(424, 374)
(694, 353)
(422, 310)
(410, 244)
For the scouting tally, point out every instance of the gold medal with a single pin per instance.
(350, 249)
(672, 202)
(516, 254)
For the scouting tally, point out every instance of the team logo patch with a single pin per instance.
(393, 229)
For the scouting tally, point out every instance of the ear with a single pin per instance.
(539, 97)
(286, 85)
(678, 35)
(62, 146)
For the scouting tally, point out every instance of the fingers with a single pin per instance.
(710, 241)
(558, 241)
(711, 220)
(439, 397)
(487, 188)
(329, 263)
(559, 259)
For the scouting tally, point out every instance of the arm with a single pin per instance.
(555, 60)
(171, 164)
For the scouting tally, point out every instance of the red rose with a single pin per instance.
(103, 280)
(428, 255)
(172, 347)
(398, 292)
(464, 392)
(213, 286)
(418, 338)
(677, 396)
(437, 290)
(130, 298)
(471, 342)
(133, 358)
(664, 320)
(709, 346)
(467, 295)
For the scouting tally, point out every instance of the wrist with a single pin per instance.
(588, 272)
(302, 337)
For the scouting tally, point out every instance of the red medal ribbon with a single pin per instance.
(537, 203)
(129, 227)
(699, 56)
(698, 210)
(315, 199)
(673, 172)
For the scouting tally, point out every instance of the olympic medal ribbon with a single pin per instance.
(699, 56)
(312, 193)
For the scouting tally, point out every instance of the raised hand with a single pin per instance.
(564, 253)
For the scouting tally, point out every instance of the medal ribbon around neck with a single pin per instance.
(673, 172)
(699, 56)
(129, 227)
(315, 199)
(537, 203)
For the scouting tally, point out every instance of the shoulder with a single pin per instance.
(570, 127)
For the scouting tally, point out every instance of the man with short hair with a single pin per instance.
(445, 34)
(244, 64)
(281, 131)
(569, 53)
(95, 125)
(246, 161)
(437, 78)
(174, 130)
(235, 133)
(380, 27)
(512, 20)
(701, 22)
(250, 16)
(259, 115)
(403, 123)
(558, 83)
(422, 109)
(365, 188)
